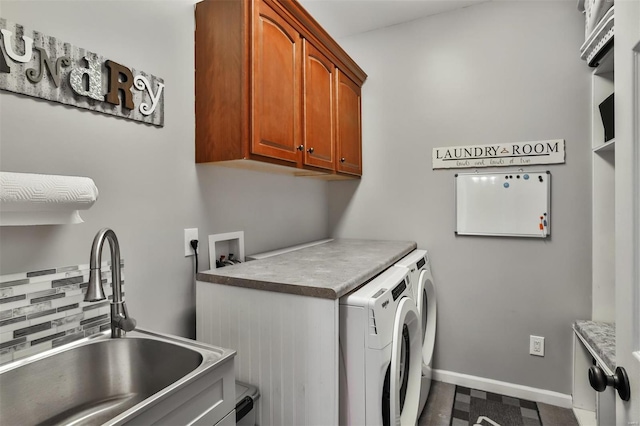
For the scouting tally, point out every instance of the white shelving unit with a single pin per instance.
(589, 406)
(615, 226)
(603, 209)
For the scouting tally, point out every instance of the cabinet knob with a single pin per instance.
(310, 150)
(342, 160)
(620, 381)
(300, 147)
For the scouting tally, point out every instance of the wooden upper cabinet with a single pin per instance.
(349, 128)
(273, 87)
(276, 80)
(221, 104)
(319, 109)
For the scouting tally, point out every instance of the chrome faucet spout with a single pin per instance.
(120, 320)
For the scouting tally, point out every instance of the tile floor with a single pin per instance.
(472, 404)
(437, 412)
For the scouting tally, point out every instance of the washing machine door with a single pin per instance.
(426, 304)
(406, 366)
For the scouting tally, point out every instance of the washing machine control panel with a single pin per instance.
(382, 310)
(399, 289)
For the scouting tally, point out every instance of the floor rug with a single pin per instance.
(472, 407)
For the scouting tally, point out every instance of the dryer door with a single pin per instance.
(426, 303)
(406, 365)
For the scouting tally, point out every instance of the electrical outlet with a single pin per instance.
(536, 345)
(189, 234)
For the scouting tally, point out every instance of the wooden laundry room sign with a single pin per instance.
(498, 155)
(38, 65)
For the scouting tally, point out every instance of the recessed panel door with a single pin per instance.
(349, 128)
(276, 114)
(319, 111)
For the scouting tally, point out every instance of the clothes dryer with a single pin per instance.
(380, 353)
(424, 292)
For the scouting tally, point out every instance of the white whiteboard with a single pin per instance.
(509, 204)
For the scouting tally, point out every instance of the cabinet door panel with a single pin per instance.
(349, 130)
(276, 107)
(319, 110)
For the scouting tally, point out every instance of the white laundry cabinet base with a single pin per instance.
(287, 346)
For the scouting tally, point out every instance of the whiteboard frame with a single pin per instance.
(502, 173)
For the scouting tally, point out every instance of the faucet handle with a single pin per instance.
(125, 323)
(120, 319)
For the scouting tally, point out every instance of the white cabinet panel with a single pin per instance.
(287, 346)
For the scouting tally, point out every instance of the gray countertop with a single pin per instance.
(601, 336)
(328, 270)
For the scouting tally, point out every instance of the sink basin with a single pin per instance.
(100, 380)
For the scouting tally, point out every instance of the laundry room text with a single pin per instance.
(497, 155)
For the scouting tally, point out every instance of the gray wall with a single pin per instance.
(495, 72)
(150, 187)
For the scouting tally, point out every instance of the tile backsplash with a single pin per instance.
(40, 310)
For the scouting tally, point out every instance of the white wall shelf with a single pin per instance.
(601, 38)
(605, 147)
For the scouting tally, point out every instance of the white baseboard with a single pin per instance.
(504, 388)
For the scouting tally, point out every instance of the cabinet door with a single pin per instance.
(319, 110)
(349, 130)
(276, 112)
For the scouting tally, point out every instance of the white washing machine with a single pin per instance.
(380, 353)
(424, 292)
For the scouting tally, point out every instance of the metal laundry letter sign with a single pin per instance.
(498, 155)
(41, 66)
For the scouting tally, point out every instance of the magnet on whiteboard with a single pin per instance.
(506, 184)
(526, 177)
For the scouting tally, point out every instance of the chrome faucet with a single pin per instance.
(120, 320)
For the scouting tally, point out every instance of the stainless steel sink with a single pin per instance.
(101, 380)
